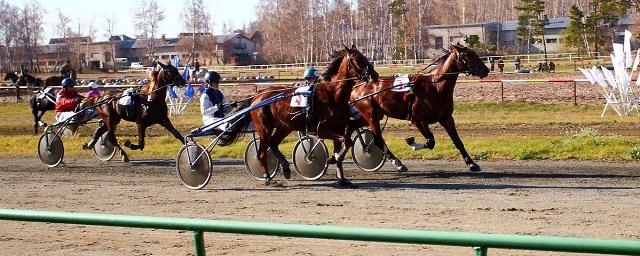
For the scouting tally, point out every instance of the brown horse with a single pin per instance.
(57, 80)
(150, 109)
(430, 101)
(330, 110)
(27, 81)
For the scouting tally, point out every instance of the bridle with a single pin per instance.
(166, 79)
(361, 74)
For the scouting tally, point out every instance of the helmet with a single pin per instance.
(311, 72)
(93, 85)
(68, 82)
(212, 77)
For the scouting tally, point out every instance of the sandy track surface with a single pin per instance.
(583, 199)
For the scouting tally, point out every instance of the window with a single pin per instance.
(438, 42)
(107, 57)
(552, 40)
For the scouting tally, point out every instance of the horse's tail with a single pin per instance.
(238, 124)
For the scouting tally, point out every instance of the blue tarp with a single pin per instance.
(172, 93)
(189, 91)
(185, 73)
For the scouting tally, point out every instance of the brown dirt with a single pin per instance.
(583, 199)
(534, 92)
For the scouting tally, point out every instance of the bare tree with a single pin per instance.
(147, 20)
(197, 20)
(29, 33)
(8, 30)
(62, 28)
(109, 25)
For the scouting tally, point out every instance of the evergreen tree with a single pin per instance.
(602, 23)
(574, 35)
(530, 22)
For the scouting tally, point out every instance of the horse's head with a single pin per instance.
(169, 75)
(11, 76)
(349, 63)
(468, 61)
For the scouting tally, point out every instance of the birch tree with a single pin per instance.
(147, 18)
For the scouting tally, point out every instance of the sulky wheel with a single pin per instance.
(50, 149)
(310, 157)
(253, 165)
(193, 165)
(103, 149)
(366, 155)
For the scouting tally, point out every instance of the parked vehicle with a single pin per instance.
(136, 65)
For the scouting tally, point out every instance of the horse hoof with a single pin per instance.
(273, 183)
(127, 144)
(86, 146)
(474, 167)
(345, 184)
(286, 172)
(430, 144)
(125, 159)
(399, 166)
(410, 140)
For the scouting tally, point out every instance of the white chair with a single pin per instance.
(607, 91)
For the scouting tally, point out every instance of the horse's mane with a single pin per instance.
(440, 60)
(152, 75)
(334, 65)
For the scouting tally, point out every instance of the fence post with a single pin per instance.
(575, 93)
(501, 91)
(480, 251)
(198, 242)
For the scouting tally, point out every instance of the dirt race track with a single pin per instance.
(583, 199)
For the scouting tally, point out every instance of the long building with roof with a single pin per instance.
(503, 35)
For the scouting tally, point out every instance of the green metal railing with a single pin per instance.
(480, 242)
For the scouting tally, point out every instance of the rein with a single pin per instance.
(378, 92)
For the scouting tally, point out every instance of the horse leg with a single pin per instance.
(275, 141)
(169, 126)
(450, 126)
(142, 128)
(40, 114)
(353, 126)
(430, 142)
(346, 144)
(265, 137)
(111, 124)
(96, 135)
(36, 119)
(18, 93)
(378, 140)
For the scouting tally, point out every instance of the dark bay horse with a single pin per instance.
(150, 109)
(330, 110)
(430, 101)
(40, 102)
(10, 76)
(27, 81)
(57, 80)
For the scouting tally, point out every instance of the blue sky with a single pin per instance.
(234, 12)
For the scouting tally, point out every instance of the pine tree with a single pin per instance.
(574, 35)
(530, 21)
(602, 22)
